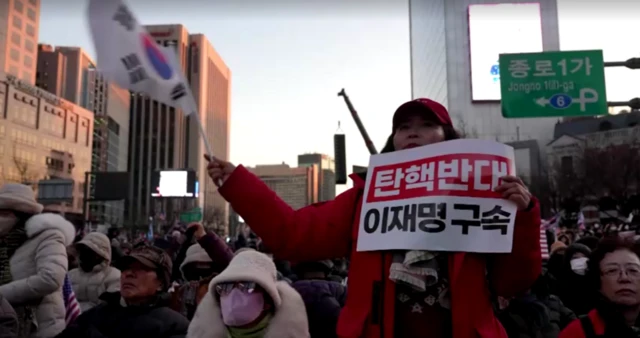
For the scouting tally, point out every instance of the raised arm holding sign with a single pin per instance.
(419, 198)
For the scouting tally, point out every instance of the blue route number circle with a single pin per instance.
(560, 101)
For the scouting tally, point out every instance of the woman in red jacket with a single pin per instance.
(614, 271)
(379, 304)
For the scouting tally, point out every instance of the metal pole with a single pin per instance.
(356, 118)
(85, 200)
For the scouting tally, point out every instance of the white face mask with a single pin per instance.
(579, 265)
(7, 223)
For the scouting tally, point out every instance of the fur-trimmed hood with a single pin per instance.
(42, 222)
(289, 320)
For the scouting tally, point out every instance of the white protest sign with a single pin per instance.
(439, 197)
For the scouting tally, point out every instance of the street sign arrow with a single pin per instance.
(542, 101)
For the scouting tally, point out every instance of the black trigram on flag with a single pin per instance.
(125, 18)
(134, 68)
(178, 91)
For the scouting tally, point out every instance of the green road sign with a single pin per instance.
(553, 84)
(193, 215)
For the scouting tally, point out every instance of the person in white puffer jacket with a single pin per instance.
(94, 276)
(33, 261)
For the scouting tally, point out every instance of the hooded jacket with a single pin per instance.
(289, 319)
(330, 230)
(88, 286)
(39, 267)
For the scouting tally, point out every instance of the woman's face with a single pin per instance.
(415, 131)
(620, 278)
(7, 221)
(139, 282)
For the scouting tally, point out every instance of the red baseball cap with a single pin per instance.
(422, 106)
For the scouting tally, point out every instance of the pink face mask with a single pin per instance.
(240, 308)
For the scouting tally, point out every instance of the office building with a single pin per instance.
(44, 137)
(163, 138)
(19, 21)
(298, 187)
(456, 64)
(327, 174)
(70, 73)
(210, 80)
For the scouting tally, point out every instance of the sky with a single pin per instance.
(288, 62)
(289, 59)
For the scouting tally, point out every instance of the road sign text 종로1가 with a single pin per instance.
(553, 84)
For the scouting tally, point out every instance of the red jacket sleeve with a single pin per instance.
(516, 272)
(573, 330)
(316, 232)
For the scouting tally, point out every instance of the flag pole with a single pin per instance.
(207, 145)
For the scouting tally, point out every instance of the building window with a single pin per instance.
(19, 6)
(33, 2)
(13, 70)
(28, 61)
(31, 14)
(27, 76)
(17, 22)
(29, 45)
(31, 31)
(15, 55)
(15, 38)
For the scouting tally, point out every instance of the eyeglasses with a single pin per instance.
(225, 288)
(633, 271)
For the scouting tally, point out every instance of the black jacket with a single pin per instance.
(323, 301)
(112, 320)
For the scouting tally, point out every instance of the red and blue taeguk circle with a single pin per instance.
(156, 58)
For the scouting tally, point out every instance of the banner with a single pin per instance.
(129, 57)
(439, 197)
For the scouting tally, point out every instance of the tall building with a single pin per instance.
(157, 138)
(19, 21)
(442, 55)
(327, 177)
(298, 187)
(44, 137)
(210, 80)
(70, 73)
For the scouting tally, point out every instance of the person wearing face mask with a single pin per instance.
(33, 261)
(384, 300)
(614, 273)
(94, 276)
(203, 260)
(573, 289)
(141, 308)
(247, 301)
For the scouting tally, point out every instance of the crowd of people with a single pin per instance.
(289, 274)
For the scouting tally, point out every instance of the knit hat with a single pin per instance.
(19, 197)
(251, 266)
(151, 257)
(195, 254)
(98, 243)
(422, 106)
(557, 245)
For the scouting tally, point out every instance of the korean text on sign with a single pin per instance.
(439, 197)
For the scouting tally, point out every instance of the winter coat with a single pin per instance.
(39, 268)
(603, 321)
(88, 286)
(288, 321)
(330, 230)
(8, 320)
(531, 317)
(324, 301)
(111, 319)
